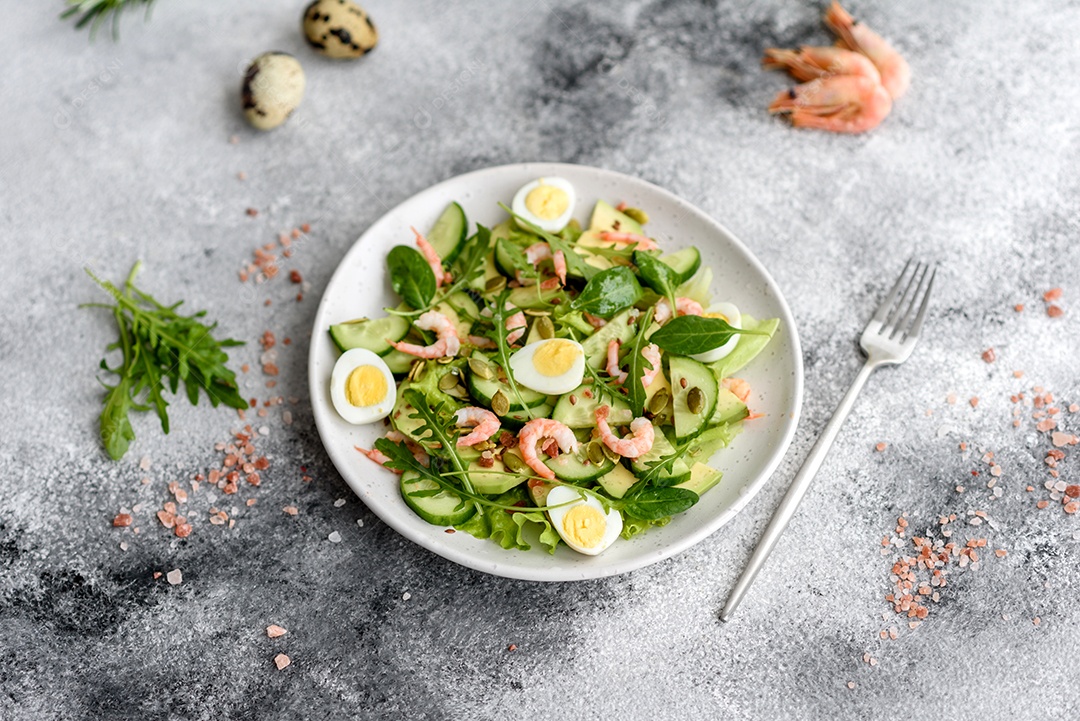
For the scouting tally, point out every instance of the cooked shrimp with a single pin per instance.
(841, 103)
(537, 429)
(650, 352)
(418, 451)
(638, 443)
(894, 70)
(642, 242)
(432, 257)
(378, 456)
(484, 423)
(739, 387)
(481, 342)
(683, 306)
(808, 63)
(448, 343)
(515, 324)
(541, 251)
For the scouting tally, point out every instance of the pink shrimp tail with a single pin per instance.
(378, 456)
(432, 257)
(652, 354)
(642, 242)
(613, 369)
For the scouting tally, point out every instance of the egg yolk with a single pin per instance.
(555, 357)
(721, 316)
(547, 201)
(365, 386)
(584, 526)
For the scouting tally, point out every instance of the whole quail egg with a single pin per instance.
(339, 28)
(273, 88)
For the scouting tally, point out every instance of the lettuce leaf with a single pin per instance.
(507, 528)
(634, 526)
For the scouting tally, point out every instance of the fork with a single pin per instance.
(888, 339)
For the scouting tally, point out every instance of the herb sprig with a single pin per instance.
(499, 316)
(96, 12)
(635, 389)
(158, 345)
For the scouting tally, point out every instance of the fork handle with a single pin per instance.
(796, 492)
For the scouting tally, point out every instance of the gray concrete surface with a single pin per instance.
(113, 152)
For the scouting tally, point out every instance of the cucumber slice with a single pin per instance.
(462, 311)
(617, 481)
(572, 468)
(493, 481)
(662, 447)
(702, 478)
(516, 419)
(509, 257)
(581, 412)
(685, 262)
(502, 230)
(447, 236)
(605, 217)
(595, 346)
(686, 375)
(399, 363)
(729, 408)
(748, 348)
(444, 508)
(483, 389)
(371, 335)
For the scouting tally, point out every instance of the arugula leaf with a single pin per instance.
(609, 292)
(518, 260)
(657, 274)
(635, 389)
(575, 264)
(438, 440)
(499, 316)
(691, 334)
(411, 276)
(116, 431)
(656, 503)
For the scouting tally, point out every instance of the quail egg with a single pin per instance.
(731, 314)
(339, 29)
(582, 523)
(362, 387)
(273, 88)
(554, 366)
(547, 203)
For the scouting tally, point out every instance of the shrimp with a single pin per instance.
(841, 103)
(417, 450)
(853, 35)
(638, 443)
(541, 251)
(378, 456)
(642, 242)
(448, 343)
(650, 352)
(683, 306)
(484, 423)
(809, 63)
(515, 325)
(432, 257)
(537, 429)
(739, 387)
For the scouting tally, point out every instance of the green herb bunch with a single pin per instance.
(95, 12)
(158, 346)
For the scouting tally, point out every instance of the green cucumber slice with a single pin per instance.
(516, 419)
(686, 375)
(484, 389)
(447, 236)
(662, 447)
(462, 311)
(372, 335)
(572, 468)
(595, 346)
(685, 262)
(533, 297)
(509, 257)
(444, 508)
(399, 363)
(581, 413)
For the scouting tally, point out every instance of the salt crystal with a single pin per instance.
(999, 492)
(1060, 486)
(334, 537)
(144, 463)
(281, 661)
(406, 596)
(360, 522)
(275, 631)
(339, 503)
(123, 545)
(975, 521)
(174, 577)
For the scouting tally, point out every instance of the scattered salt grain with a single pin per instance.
(275, 631)
(360, 522)
(851, 684)
(264, 430)
(339, 503)
(281, 661)
(334, 537)
(174, 577)
(123, 545)
(144, 463)
(406, 596)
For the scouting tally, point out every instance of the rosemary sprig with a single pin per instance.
(96, 12)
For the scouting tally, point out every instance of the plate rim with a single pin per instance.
(555, 573)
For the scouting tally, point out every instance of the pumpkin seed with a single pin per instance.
(446, 359)
(417, 370)
(695, 400)
(611, 455)
(484, 446)
(500, 404)
(494, 285)
(544, 327)
(596, 453)
(513, 462)
(458, 391)
(447, 382)
(481, 369)
(659, 401)
(536, 312)
(637, 214)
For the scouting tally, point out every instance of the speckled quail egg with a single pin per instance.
(547, 203)
(554, 366)
(339, 29)
(582, 523)
(731, 314)
(362, 387)
(273, 88)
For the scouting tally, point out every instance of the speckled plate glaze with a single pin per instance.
(360, 287)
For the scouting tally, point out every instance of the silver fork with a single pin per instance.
(888, 339)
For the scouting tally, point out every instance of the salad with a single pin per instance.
(541, 380)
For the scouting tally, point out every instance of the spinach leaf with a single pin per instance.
(411, 276)
(690, 334)
(656, 503)
(609, 292)
(657, 274)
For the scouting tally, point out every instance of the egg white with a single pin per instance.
(734, 319)
(564, 494)
(358, 415)
(522, 363)
(552, 225)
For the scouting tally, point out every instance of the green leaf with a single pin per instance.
(411, 276)
(575, 264)
(634, 526)
(638, 364)
(507, 527)
(657, 274)
(499, 333)
(691, 334)
(655, 503)
(116, 431)
(609, 292)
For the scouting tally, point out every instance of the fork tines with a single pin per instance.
(895, 314)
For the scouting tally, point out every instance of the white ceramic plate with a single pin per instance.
(360, 287)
